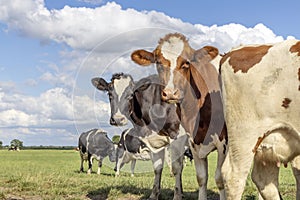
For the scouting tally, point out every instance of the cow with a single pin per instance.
(191, 80)
(13, 148)
(155, 122)
(261, 94)
(95, 144)
(130, 148)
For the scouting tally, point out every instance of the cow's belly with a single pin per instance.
(97, 157)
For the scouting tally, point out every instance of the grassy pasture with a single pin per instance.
(54, 174)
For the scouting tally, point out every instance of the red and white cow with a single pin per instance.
(261, 92)
(191, 80)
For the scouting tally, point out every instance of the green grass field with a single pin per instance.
(54, 174)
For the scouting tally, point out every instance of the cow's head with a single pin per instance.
(177, 65)
(141, 103)
(115, 89)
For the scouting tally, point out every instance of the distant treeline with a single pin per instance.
(50, 147)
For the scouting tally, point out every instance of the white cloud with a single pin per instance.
(14, 118)
(84, 28)
(53, 108)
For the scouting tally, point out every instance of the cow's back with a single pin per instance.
(95, 142)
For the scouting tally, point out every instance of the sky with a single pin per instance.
(51, 49)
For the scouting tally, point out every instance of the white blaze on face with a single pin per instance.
(120, 86)
(171, 50)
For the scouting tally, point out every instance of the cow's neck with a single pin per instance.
(189, 110)
(196, 107)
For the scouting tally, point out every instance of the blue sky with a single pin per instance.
(52, 48)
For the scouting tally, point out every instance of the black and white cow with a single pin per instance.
(95, 144)
(155, 122)
(130, 148)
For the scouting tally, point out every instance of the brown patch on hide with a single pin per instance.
(299, 78)
(286, 102)
(245, 58)
(259, 141)
(295, 48)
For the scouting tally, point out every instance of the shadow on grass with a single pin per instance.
(94, 172)
(250, 197)
(134, 193)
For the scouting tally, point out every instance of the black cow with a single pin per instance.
(95, 144)
(155, 122)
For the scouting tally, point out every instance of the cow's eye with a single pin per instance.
(185, 65)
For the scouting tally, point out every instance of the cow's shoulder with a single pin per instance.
(245, 57)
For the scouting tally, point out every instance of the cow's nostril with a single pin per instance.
(164, 94)
(176, 93)
(112, 122)
(123, 119)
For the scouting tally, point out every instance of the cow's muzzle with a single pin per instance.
(171, 95)
(118, 120)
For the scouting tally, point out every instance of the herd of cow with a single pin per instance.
(244, 104)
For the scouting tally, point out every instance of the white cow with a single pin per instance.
(261, 93)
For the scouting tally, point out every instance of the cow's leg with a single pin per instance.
(265, 177)
(119, 165)
(158, 163)
(168, 159)
(133, 162)
(99, 166)
(218, 174)
(202, 175)
(90, 162)
(177, 155)
(221, 150)
(201, 171)
(296, 171)
(81, 164)
(235, 170)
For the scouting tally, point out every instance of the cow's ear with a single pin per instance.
(143, 57)
(209, 52)
(100, 84)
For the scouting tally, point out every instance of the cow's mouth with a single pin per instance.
(173, 101)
